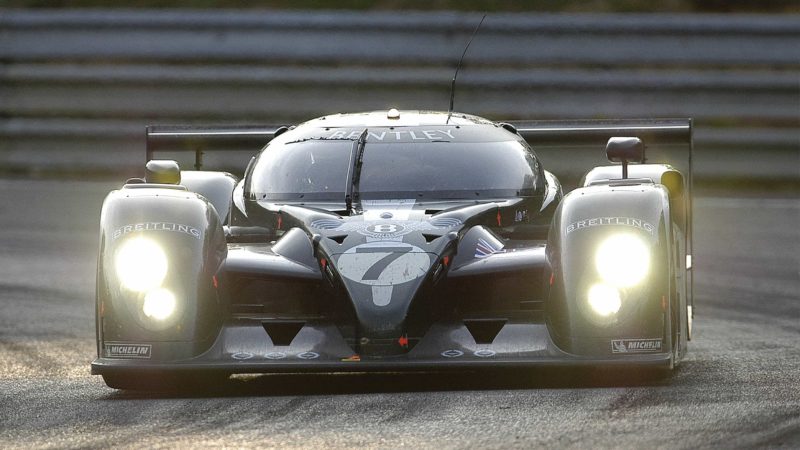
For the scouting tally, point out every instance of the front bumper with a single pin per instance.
(243, 346)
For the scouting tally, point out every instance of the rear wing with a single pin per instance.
(664, 131)
(199, 139)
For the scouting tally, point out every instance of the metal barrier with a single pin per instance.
(78, 87)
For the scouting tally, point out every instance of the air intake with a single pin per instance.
(484, 330)
(282, 333)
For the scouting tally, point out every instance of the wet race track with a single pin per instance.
(739, 387)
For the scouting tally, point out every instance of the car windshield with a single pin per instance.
(318, 170)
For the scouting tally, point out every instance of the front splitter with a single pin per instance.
(245, 348)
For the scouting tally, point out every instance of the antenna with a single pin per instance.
(453, 84)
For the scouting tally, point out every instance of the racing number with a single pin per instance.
(377, 269)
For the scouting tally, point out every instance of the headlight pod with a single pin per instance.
(623, 260)
(159, 304)
(141, 264)
(604, 299)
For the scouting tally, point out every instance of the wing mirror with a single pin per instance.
(162, 171)
(625, 150)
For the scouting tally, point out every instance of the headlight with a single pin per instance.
(159, 304)
(623, 260)
(141, 264)
(604, 299)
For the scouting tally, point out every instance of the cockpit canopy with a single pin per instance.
(440, 162)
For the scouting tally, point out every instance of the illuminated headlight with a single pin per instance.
(141, 264)
(159, 304)
(604, 299)
(623, 260)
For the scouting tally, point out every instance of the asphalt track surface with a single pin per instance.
(739, 386)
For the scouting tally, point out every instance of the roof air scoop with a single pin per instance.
(162, 171)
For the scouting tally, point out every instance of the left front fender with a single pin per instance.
(623, 294)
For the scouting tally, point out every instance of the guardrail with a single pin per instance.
(78, 87)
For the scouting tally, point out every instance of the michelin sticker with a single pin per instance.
(128, 351)
(635, 345)
(601, 221)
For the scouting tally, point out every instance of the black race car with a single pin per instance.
(399, 240)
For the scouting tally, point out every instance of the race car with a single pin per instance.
(397, 241)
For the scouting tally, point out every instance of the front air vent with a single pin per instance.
(338, 239)
(445, 222)
(484, 330)
(283, 332)
(430, 237)
(253, 295)
(326, 224)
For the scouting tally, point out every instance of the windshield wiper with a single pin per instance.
(355, 176)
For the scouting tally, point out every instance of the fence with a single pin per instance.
(78, 87)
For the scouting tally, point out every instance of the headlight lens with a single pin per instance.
(623, 260)
(159, 304)
(604, 299)
(141, 264)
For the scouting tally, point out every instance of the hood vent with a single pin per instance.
(326, 224)
(445, 222)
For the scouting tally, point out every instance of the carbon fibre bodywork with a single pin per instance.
(451, 272)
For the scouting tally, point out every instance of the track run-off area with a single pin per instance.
(738, 387)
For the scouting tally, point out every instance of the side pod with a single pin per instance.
(160, 248)
(609, 250)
